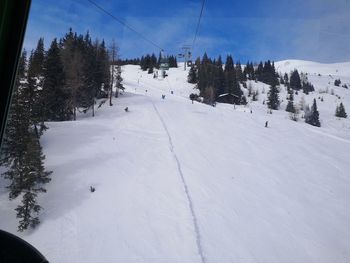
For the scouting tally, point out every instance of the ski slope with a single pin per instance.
(182, 182)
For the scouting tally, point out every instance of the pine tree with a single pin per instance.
(87, 92)
(231, 83)
(34, 177)
(259, 72)
(340, 111)
(102, 69)
(192, 75)
(54, 94)
(34, 88)
(239, 73)
(290, 107)
(22, 154)
(312, 117)
(16, 132)
(295, 82)
(273, 98)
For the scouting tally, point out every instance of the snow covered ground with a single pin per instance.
(182, 182)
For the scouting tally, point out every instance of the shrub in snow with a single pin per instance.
(337, 82)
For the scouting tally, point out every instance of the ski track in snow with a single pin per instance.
(190, 202)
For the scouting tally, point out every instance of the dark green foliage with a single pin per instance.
(231, 82)
(273, 98)
(28, 212)
(239, 73)
(337, 82)
(312, 116)
(295, 82)
(33, 90)
(307, 87)
(248, 71)
(213, 80)
(290, 107)
(266, 73)
(56, 97)
(22, 154)
(192, 75)
(151, 61)
(340, 111)
(172, 61)
(33, 177)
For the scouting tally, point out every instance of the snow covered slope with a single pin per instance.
(182, 182)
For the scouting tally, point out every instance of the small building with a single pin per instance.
(228, 98)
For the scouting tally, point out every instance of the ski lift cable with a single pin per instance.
(199, 21)
(124, 24)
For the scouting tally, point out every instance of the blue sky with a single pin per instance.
(317, 30)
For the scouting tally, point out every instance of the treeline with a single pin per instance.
(215, 79)
(150, 62)
(51, 85)
(77, 71)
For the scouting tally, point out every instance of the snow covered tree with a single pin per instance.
(119, 80)
(22, 154)
(16, 132)
(33, 177)
(273, 98)
(340, 111)
(312, 117)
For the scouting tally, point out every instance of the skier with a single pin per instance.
(126, 109)
(266, 123)
(163, 96)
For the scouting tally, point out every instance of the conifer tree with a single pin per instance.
(22, 154)
(290, 107)
(16, 132)
(312, 117)
(33, 176)
(33, 90)
(192, 75)
(273, 98)
(54, 93)
(295, 82)
(340, 111)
